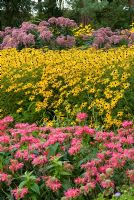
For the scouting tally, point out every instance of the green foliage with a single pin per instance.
(126, 193)
(112, 13)
(29, 181)
(13, 13)
(47, 8)
(93, 6)
(51, 166)
(115, 14)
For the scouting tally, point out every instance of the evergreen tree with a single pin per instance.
(47, 9)
(52, 8)
(113, 13)
(14, 12)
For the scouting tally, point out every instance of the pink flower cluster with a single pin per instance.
(52, 183)
(82, 116)
(61, 21)
(105, 37)
(54, 154)
(19, 193)
(55, 32)
(13, 37)
(26, 34)
(72, 193)
(67, 41)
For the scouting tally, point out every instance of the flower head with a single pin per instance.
(19, 192)
(81, 116)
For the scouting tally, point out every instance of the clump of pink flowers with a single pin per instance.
(67, 41)
(61, 21)
(53, 183)
(72, 193)
(26, 34)
(81, 116)
(79, 155)
(105, 37)
(19, 193)
(58, 32)
(127, 124)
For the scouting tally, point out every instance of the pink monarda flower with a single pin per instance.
(15, 165)
(89, 131)
(2, 127)
(129, 153)
(75, 146)
(5, 139)
(7, 119)
(81, 116)
(53, 183)
(130, 174)
(3, 177)
(40, 160)
(107, 183)
(19, 193)
(127, 124)
(85, 189)
(72, 193)
(79, 180)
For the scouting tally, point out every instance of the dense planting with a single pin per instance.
(39, 85)
(64, 163)
(73, 133)
(60, 33)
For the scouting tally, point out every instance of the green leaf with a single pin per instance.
(53, 149)
(33, 197)
(66, 184)
(22, 184)
(65, 173)
(35, 188)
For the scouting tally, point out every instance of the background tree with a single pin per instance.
(14, 12)
(131, 8)
(113, 13)
(48, 8)
(116, 15)
(52, 8)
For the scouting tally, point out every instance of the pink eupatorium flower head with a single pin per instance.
(65, 41)
(46, 35)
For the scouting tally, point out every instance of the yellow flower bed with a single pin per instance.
(62, 83)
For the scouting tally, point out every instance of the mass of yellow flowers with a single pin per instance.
(132, 27)
(63, 83)
(83, 30)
